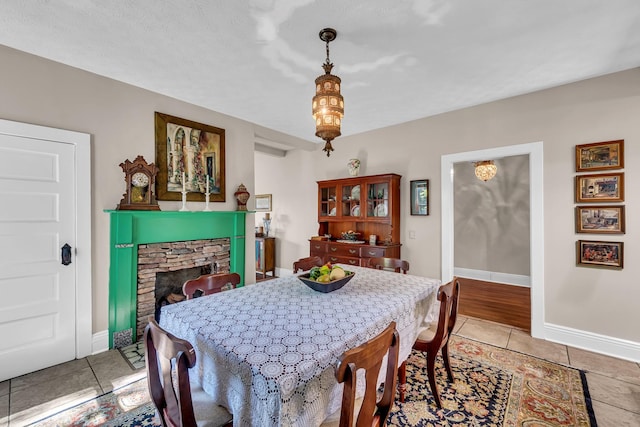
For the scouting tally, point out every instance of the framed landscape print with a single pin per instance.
(600, 219)
(600, 254)
(600, 188)
(600, 156)
(419, 197)
(190, 157)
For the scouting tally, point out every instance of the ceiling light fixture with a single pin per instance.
(485, 170)
(328, 104)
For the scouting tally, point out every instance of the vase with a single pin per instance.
(354, 167)
(242, 196)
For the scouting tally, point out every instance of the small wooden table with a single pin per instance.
(265, 258)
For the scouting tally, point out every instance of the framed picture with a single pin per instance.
(600, 156)
(190, 157)
(600, 219)
(600, 254)
(263, 202)
(419, 197)
(600, 188)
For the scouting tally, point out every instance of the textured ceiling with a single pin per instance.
(398, 60)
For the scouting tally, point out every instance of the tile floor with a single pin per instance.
(614, 384)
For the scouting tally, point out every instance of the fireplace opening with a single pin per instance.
(164, 267)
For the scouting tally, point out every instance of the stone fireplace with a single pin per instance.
(136, 232)
(164, 267)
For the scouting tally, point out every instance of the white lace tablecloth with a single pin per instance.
(267, 352)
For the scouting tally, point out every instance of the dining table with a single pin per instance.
(267, 351)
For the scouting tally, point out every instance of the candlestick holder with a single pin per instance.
(184, 202)
(206, 202)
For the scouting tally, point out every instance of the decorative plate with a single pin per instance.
(381, 210)
(332, 212)
(355, 192)
(355, 211)
(326, 287)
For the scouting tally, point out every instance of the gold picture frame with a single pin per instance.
(600, 156)
(600, 254)
(600, 219)
(598, 188)
(263, 203)
(193, 150)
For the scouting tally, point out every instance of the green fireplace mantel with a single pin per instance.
(131, 228)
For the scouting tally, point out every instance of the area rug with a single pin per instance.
(492, 387)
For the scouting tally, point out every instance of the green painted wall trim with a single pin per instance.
(131, 228)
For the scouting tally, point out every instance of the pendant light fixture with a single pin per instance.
(485, 170)
(328, 104)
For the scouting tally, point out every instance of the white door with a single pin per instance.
(37, 217)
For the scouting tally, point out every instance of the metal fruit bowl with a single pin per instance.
(325, 286)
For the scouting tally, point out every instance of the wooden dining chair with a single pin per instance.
(304, 264)
(436, 338)
(208, 284)
(178, 404)
(368, 410)
(395, 264)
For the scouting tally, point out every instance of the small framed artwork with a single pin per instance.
(419, 197)
(190, 158)
(600, 219)
(600, 188)
(600, 156)
(263, 202)
(600, 254)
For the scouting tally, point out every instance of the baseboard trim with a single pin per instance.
(100, 342)
(492, 276)
(610, 346)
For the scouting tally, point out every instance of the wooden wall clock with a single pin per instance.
(140, 178)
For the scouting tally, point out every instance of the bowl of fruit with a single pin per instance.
(327, 278)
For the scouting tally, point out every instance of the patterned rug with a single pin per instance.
(492, 387)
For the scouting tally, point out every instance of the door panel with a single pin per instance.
(37, 217)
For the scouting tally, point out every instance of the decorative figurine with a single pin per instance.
(242, 196)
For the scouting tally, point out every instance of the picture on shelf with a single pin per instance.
(600, 219)
(600, 254)
(600, 156)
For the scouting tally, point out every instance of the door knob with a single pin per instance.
(66, 254)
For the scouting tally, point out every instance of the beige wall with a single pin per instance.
(597, 301)
(120, 120)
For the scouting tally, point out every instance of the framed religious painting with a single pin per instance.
(600, 219)
(600, 254)
(598, 188)
(600, 156)
(190, 157)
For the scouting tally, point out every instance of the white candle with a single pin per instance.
(183, 183)
(207, 178)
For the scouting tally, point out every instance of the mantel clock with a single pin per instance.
(140, 179)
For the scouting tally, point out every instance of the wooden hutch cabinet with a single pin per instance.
(367, 205)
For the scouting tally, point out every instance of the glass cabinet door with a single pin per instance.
(327, 206)
(351, 201)
(378, 200)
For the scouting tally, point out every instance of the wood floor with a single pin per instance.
(507, 304)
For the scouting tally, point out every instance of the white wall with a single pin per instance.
(599, 302)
